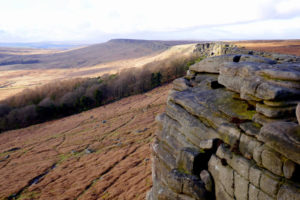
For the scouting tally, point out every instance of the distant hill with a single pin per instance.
(41, 45)
(113, 50)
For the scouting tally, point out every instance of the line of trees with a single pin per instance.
(62, 98)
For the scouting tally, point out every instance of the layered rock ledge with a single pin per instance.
(230, 129)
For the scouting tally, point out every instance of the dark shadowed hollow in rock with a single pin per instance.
(230, 129)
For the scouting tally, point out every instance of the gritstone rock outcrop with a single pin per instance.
(230, 129)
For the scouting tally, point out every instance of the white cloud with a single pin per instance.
(84, 20)
(288, 7)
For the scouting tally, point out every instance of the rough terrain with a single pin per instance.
(103, 153)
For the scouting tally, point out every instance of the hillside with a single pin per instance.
(102, 153)
(113, 50)
(14, 81)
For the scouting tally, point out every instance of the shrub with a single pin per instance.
(21, 117)
(4, 109)
(46, 109)
(155, 79)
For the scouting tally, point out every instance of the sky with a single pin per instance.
(92, 21)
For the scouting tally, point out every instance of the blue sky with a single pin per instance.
(100, 20)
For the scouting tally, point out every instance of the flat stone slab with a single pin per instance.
(217, 106)
(281, 103)
(288, 71)
(249, 79)
(214, 64)
(276, 112)
(254, 58)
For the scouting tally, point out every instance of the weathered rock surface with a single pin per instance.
(283, 137)
(229, 129)
(249, 79)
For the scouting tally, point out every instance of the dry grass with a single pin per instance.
(275, 46)
(119, 168)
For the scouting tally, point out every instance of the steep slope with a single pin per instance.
(102, 153)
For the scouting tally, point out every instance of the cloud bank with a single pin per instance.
(99, 20)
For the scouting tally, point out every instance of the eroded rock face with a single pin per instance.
(230, 129)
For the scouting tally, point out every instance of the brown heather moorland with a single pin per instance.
(275, 46)
(103, 153)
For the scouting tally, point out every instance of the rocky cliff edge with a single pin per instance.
(230, 129)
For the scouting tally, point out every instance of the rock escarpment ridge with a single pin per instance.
(230, 129)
